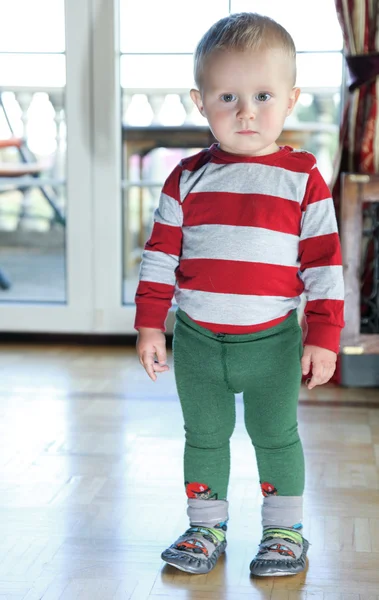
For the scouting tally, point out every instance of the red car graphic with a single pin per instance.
(283, 550)
(192, 545)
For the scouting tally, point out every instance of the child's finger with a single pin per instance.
(158, 368)
(329, 372)
(317, 376)
(306, 364)
(148, 364)
(161, 354)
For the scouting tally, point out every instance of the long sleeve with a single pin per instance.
(321, 265)
(160, 258)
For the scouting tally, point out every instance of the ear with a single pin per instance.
(294, 96)
(196, 99)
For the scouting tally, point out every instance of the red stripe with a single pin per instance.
(329, 312)
(320, 251)
(325, 319)
(235, 277)
(317, 189)
(196, 161)
(246, 210)
(297, 162)
(155, 291)
(165, 238)
(171, 186)
(241, 329)
(153, 301)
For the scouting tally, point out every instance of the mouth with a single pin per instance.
(247, 132)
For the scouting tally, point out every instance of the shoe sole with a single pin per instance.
(266, 568)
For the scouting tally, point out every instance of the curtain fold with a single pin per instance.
(359, 138)
(359, 134)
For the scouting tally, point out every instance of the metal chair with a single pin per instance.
(20, 175)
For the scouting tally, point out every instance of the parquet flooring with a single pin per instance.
(91, 486)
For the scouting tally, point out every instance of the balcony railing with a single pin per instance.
(38, 116)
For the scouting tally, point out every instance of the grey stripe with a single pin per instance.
(245, 178)
(319, 219)
(251, 244)
(324, 283)
(233, 309)
(169, 212)
(189, 180)
(158, 267)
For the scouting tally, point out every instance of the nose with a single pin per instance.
(245, 111)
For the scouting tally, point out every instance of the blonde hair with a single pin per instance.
(243, 31)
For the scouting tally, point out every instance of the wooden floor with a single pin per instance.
(91, 486)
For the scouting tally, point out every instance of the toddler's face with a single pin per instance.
(246, 97)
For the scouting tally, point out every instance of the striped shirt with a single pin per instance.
(238, 239)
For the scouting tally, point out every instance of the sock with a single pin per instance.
(283, 511)
(208, 513)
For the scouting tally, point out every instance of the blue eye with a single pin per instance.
(228, 97)
(263, 97)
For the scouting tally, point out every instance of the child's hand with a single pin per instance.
(151, 342)
(323, 363)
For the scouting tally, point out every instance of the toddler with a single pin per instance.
(242, 229)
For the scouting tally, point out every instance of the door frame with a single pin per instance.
(76, 314)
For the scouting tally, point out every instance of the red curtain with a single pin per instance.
(359, 140)
(359, 136)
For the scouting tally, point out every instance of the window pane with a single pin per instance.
(156, 71)
(319, 70)
(32, 70)
(33, 172)
(32, 26)
(167, 25)
(313, 25)
(175, 72)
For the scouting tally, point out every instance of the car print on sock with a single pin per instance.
(200, 491)
(268, 489)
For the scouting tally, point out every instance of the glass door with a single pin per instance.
(46, 271)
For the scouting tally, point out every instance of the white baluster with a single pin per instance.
(25, 222)
(156, 102)
(24, 100)
(59, 168)
(3, 220)
(325, 107)
(126, 101)
(139, 112)
(189, 108)
(172, 111)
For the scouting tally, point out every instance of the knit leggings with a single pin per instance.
(210, 369)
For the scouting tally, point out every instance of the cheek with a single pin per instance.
(219, 117)
(272, 118)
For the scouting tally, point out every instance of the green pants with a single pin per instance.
(209, 370)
